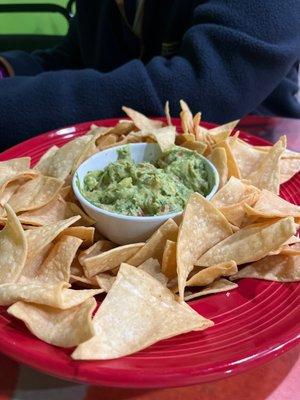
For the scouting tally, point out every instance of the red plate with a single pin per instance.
(253, 324)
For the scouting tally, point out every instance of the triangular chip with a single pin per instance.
(250, 243)
(56, 267)
(167, 113)
(169, 265)
(207, 275)
(154, 246)
(39, 238)
(64, 328)
(165, 137)
(267, 174)
(246, 156)
(53, 295)
(278, 268)
(153, 268)
(221, 285)
(222, 132)
(151, 314)
(46, 160)
(202, 227)
(140, 120)
(232, 165)
(97, 248)
(269, 205)
(110, 259)
(35, 193)
(85, 233)
(13, 248)
(219, 158)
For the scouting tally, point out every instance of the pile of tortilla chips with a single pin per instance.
(53, 263)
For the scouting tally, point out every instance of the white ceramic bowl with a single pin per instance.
(124, 229)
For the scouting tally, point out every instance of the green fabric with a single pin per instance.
(33, 23)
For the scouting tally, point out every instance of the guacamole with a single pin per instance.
(147, 189)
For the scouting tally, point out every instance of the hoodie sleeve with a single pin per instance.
(232, 57)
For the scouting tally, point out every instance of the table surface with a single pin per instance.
(276, 380)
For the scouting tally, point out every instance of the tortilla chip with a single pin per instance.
(13, 248)
(278, 268)
(269, 205)
(85, 282)
(53, 295)
(18, 164)
(236, 213)
(197, 146)
(222, 132)
(207, 275)
(234, 192)
(219, 158)
(9, 190)
(246, 156)
(267, 174)
(61, 162)
(183, 138)
(56, 267)
(39, 238)
(167, 113)
(109, 259)
(289, 166)
(9, 176)
(232, 166)
(151, 314)
(169, 265)
(165, 137)
(85, 233)
(153, 268)
(140, 120)
(106, 141)
(105, 281)
(221, 285)
(33, 264)
(35, 193)
(64, 328)
(73, 209)
(97, 248)
(45, 161)
(250, 243)
(154, 246)
(202, 227)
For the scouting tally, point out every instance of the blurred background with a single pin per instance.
(33, 24)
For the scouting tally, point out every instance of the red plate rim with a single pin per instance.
(18, 343)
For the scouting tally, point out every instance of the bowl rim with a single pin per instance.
(153, 218)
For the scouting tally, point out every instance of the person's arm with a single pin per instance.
(233, 57)
(66, 55)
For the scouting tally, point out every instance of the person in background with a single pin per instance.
(226, 58)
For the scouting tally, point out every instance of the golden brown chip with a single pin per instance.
(105, 281)
(222, 132)
(165, 137)
(232, 165)
(13, 248)
(202, 227)
(85, 233)
(140, 120)
(151, 314)
(153, 268)
(267, 174)
(207, 275)
(35, 193)
(56, 267)
(154, 246)
(53, 295)
(279, 268)
(167, 113)
(45, 161)
(64, 328)
(269, 205)
(110, 259)
(38, 238)
(247, 156)
(221, 285)
(289, 166)
(97, 248)
(197, 146)
(219, 158)
(250, 243)
(107, 141)
(169, 265)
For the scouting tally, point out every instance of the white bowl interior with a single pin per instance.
(120, 228)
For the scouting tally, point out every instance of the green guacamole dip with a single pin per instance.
(147, 189)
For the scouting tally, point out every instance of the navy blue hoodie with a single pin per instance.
(226, 58)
